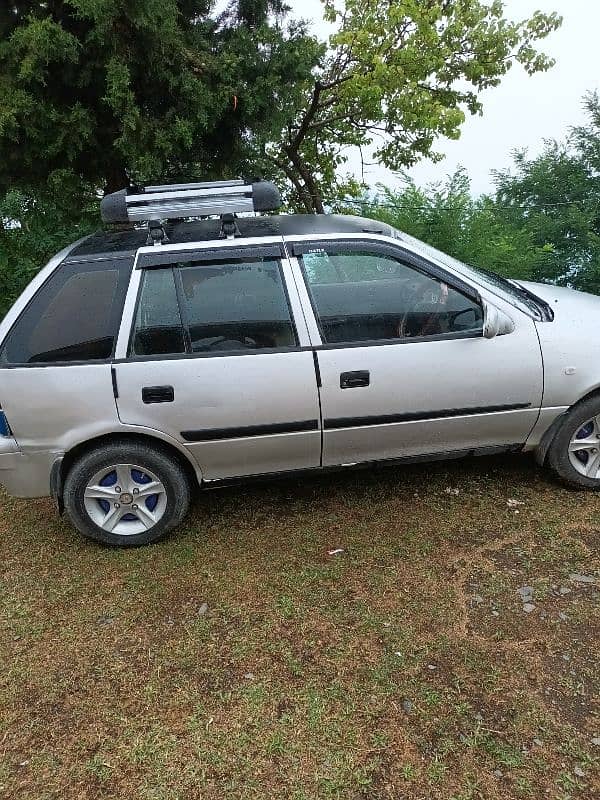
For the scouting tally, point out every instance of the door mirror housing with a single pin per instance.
(496, 322)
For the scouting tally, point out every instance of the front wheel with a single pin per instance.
(574, 454)
(126, 494)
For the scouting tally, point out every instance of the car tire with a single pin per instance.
(155, 487)
(572, 454)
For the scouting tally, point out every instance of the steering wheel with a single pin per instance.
(454, 315)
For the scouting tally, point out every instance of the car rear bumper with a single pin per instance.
(25, 474)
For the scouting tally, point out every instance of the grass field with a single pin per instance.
(239, 659)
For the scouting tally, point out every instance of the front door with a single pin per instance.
(217, 359)
(404, 367)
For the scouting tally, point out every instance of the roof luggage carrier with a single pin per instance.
(154, 204)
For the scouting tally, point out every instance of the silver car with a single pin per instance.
(144, 363)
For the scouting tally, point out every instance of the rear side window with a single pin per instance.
(158, 328)
(236, 306)
(213, 307)
(75, 315)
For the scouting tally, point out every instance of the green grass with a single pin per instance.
(404, 667)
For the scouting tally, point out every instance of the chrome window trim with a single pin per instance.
(308, 313)
(401, 244)
(212, 244)
(129, 310)
(294, 303)
(424, 265)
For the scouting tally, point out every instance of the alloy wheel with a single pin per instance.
(125, 499)
(584, 449)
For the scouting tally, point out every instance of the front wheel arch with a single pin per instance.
(577, 473)
(541, 451)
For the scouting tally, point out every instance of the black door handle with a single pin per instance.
(158, 394)
(353, 380)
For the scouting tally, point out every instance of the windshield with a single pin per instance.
(513, 292)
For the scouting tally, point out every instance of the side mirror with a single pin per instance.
(496, 322)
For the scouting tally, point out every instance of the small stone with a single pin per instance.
(566, 657)
(596, 741)
(564, 590)
(562, 616)
(577, 578)
(431, 666)
(528, 608)
(249, 676)
(495, 613)
(512, 503)
(538, 743)
(105, 619)
(498, 773)
(526, 593)
(407, 706)
(477, 600)
(579, 772)
(203, 609)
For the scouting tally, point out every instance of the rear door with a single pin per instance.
(219, 359)
(404, 366)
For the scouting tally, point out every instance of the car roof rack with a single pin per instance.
(153, 204)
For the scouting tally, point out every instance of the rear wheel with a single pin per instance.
(574, 454)
(126, 494)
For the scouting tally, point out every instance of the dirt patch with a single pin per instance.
(361, 637)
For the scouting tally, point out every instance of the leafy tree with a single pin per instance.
(447, 216)
(98, 94)
(117, 92)
(542, 223)
(555, 197)
(405, 72)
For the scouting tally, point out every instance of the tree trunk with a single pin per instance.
(116, 179)
(312, 189)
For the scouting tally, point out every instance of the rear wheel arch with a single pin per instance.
(61, 470)
(126, 492)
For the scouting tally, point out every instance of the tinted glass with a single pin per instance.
(158, 329)
(75, 316)
(237, 306)
(362, 296)
(517, 294)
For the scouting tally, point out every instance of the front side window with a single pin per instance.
(213, 307)
(377, 297)
(74, 316)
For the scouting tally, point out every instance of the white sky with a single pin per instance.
(522, 111)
